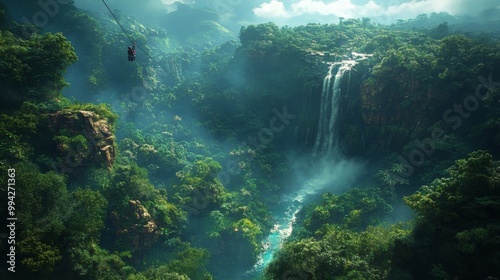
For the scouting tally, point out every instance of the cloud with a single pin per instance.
(413, 8)
(273, 9)
(131, 7)
(372, 8)
(338, 8)
(170, 2)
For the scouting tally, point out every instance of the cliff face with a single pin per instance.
(135, 229)
(82, 138)
(350, 124)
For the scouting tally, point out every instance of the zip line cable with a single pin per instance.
(125, 31)
(128, 36)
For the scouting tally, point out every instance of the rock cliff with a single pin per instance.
(82, 138)
(135, 228)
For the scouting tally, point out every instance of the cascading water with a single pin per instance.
(326, 144)
(325, 147)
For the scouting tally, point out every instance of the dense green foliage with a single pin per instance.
(33, 70)
(457, 227)
(338, 254)
(355, 209)
(176, 179)
(455, 234)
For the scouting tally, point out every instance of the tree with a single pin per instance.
(338, 253)
(267, 31)
(355, 209)
(189, 263)
(440, 31)
(38, 257)
(38, 66)
(457, 228)
(87, 217)
(41, 209)
(96, 263)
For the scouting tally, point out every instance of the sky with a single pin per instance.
(384, 11)
(295, 12)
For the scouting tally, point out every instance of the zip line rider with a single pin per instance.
(131, 50)
(131, 53)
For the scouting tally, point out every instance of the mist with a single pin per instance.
(298, 12)
(233, 14)
(229, 143)
(317, 175)
(385, 12)
(312, 178)
(141, 10)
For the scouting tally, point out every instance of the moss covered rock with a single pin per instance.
(83, 138)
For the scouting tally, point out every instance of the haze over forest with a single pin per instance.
(298, 12)
(250, 140)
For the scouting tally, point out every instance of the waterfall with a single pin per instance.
(328, 172)
(327, 138)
